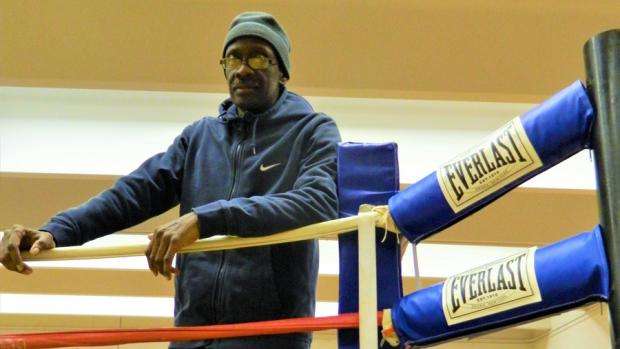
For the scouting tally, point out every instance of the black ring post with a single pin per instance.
(602, 60)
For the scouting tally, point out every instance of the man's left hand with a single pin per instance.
(167, 240)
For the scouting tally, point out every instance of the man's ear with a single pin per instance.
(283, 79)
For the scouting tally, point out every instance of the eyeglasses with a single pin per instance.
(257, 62)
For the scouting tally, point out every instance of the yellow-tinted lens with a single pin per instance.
(258, 62)
(231, 63)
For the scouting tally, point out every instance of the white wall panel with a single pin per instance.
(111, 132)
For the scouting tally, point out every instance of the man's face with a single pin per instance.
(254, 90)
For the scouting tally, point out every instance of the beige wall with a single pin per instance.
(476, 50)
(586, 327)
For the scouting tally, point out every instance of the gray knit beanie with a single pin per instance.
(264, 26)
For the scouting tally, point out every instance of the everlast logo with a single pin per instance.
(502, 158)
(499, 286)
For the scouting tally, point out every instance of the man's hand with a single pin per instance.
(167, 240)
(19, 237)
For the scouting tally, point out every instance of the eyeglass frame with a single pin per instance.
(246, 61)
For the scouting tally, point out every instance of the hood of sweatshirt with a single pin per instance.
(288, 105)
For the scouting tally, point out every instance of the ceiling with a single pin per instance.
(479, 50)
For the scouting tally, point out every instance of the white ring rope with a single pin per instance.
(313, 231)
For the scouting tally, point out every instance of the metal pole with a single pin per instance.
(602, 60)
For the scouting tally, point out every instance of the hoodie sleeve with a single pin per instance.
(312, 199)
(151, 189)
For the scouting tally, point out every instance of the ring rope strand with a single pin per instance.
(381, 217)
(313, 231)
(104, 337)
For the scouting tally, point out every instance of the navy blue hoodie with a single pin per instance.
(249, 176)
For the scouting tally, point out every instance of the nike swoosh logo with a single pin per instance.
(264, 168)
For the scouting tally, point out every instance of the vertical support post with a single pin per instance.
(367, 174)
(367, 260)
(602, 61)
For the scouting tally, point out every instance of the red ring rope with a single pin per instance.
(124, 336)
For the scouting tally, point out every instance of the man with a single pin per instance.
(264, 165)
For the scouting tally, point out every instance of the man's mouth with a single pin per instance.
(244, 87)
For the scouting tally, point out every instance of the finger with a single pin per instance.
(35, 249)
(10, 255)
(159, 242)
(6, 259)
(160, 262)
(17, 261)
(43, 241)
(169, 256)
(5, 255)
(152, 250)
(147, 254)
(13, 241)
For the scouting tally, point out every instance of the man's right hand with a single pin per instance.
(21, 238)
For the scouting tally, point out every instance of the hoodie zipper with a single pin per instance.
(236, 166)
(217, 295)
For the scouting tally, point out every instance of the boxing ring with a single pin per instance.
(531, 284)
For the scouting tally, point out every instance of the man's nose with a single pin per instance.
(244, 70)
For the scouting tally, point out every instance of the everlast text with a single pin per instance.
(502, 158)
(495, 287)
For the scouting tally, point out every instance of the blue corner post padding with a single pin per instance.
(557, 129)
(570, 273)
(367, 174)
